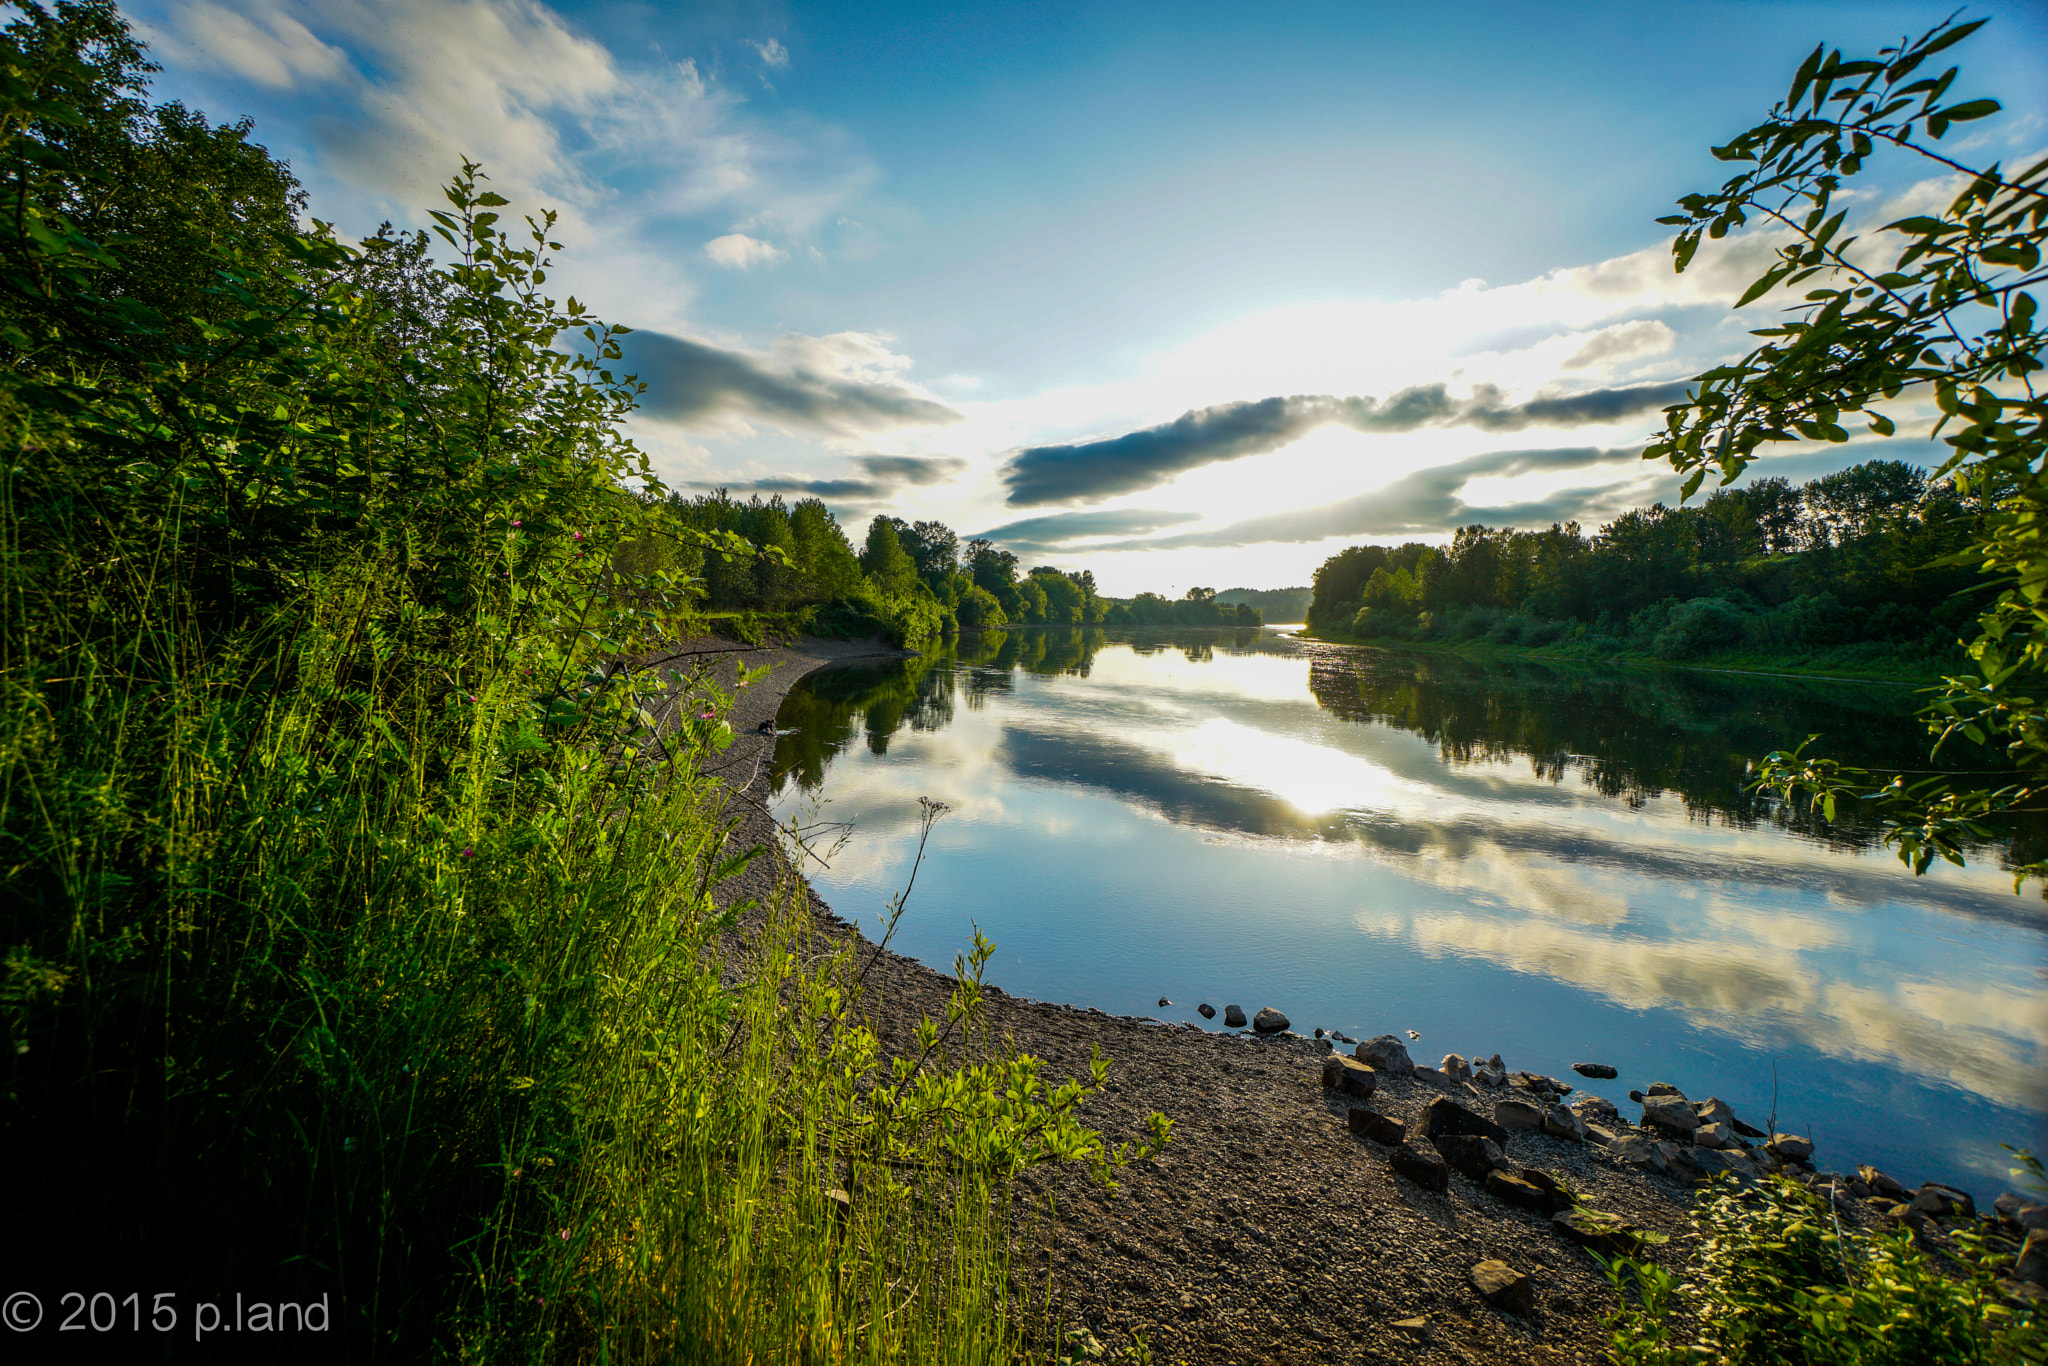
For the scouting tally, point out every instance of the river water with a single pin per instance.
(1555, 863)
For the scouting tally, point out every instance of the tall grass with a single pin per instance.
(361, 936)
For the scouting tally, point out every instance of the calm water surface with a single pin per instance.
(1557, 864)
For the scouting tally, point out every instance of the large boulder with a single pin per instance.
(1714, 1136)
(1714, 1110)
(1599, 1232)
(1206, 1011)
(1663, 1088)
(1516, 1190)
(1944, 1202)
(1445, 1116)
(1562, 1123)
(1233, 1016)
(1518, 1114)
(1503, 1287)
(1455, 1068)
(1672, 1116)
(1422, 1164)
(1596, 1110)
(1599, 1071)
(1386, 1054)
(1269, 1021)
(1472, 1154)
(1349, 1075)
(1789, 1147)
(1376, 1126)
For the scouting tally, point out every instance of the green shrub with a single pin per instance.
(1776, 1278)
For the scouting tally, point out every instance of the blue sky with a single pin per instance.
(960, 261)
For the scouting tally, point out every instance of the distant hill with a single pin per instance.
(1274, 604)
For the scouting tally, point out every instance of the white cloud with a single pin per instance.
(272, 49)
(773, 55)
(737, 251)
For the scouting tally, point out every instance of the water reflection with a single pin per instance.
(1362, 834)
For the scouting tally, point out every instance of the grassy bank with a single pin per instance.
(361, 953)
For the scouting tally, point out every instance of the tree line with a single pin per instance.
(907, 579)
(1861, 564)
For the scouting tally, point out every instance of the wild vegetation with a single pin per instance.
(362, 946)
(1854, 570)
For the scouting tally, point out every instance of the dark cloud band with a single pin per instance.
(1093, 470)
(687, 380)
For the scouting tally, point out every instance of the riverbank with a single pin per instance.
(1271, 1228)
(1579, 654)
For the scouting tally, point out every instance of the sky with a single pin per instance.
(1183, 294)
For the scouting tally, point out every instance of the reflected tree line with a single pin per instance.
(1631, 735)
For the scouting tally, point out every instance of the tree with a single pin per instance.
(1949, 319)
(885, 562)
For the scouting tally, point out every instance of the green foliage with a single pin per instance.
(1951, 318)
(1777, 1279)
(359, 929)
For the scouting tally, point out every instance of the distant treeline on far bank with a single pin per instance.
(909, 580)
(1854, 570)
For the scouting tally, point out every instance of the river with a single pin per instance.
(1559, 864)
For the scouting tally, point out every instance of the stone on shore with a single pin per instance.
(1206, 1011)
(1599, 1071)
(1164, 1002)
(1516, 1190)
(1714, 1110)
(1675, 1116)
(1596, 1110)
(1349, 1075)
(1455, 1068)
(1714, 1136)
(1789, 1147)
(1387, 1054)
(1944, 1202)
(1233, 1016)
(1747, 1130)
(1591, 1229)
(1664, 1088)
(1377, 1127)
(1422, 1164)
(1445, 1116)
(1503, 1287)
(1518, 1114)
(1269, 1021)
(1562, 1123)
(1473, 1155)
(2032, 1263)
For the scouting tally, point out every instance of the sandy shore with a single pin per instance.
(1267, 1231)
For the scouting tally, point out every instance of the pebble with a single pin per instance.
(1233, 1016)
(1503, 1287)
(1206, 1011)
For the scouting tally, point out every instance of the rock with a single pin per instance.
(1599, 1071)
(1945, 1202)
(2007, 1206)
(1712, 1160)
(1542, 1085)
(1474, 1155)
(1164, 1002)
(1637, 1151)
(1445, 1116)
(1600, 1134)
(1376, 1126)
(1422, 1164)
(1455, 1068)
(1233, 1017)
(1790, 1147)
(1387, 1054)
(1664, 1088)
(1430, 1075)
(1596, 1110)
(1556, 1196)
(1714, 1110)
(1518, 1114)
(1349, 1075)
(1673, 1116)
(1714, 1136)
(1562, 1123)
(2021, 1212)
(1747, 1130)
(1206, 1011)
(1324, 1045)
(1269, 1021)
(1515, 1190)
(1503, 1287)
(1319, 1031)
(1341, 1037)
(1636, 1096)
(2032, 1263)
(1412, 1328)
(1602, 1233)
(1486, 1074)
